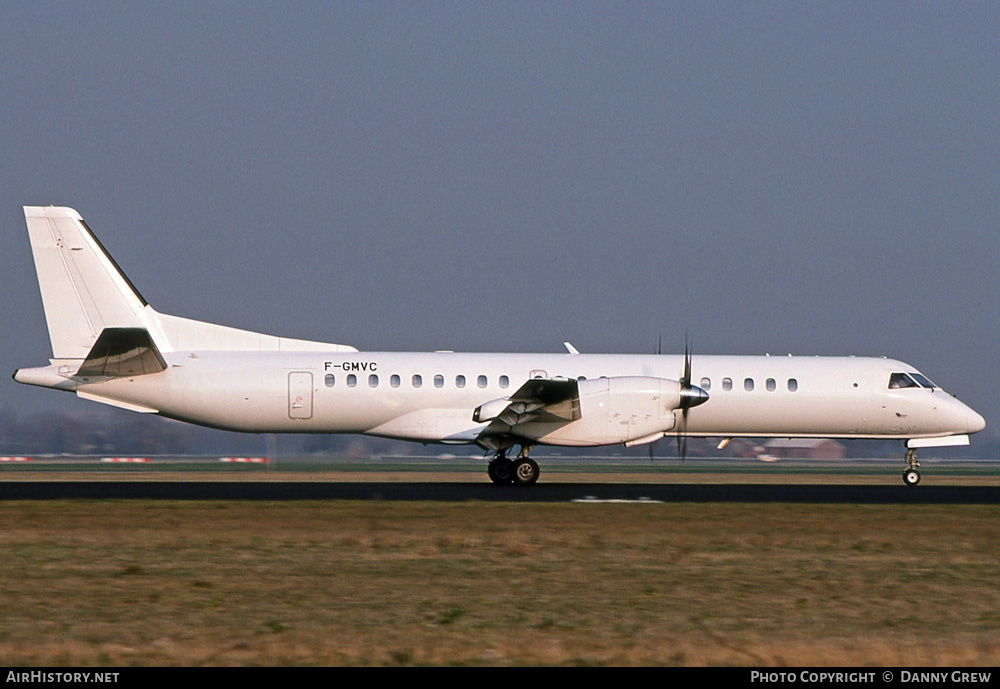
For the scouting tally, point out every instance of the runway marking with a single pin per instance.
(592, 499)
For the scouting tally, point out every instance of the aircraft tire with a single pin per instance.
(911, 477)
(525, 471)
(501, 471)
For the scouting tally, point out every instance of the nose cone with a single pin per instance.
(962, 418)
(974, 422)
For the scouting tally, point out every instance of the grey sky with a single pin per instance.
(813, 178)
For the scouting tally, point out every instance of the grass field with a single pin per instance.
(376, 583)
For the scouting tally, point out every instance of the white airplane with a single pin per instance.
(110, 346)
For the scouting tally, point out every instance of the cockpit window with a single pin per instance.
(922, 379)
(898, 381)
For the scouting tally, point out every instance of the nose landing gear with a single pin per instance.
(911, 476)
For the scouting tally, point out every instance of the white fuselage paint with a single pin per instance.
(841, 397)
(240, 380)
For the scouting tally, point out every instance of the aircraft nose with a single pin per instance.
(964, 418)
(974, 422)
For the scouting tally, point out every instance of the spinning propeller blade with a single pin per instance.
(691, 396)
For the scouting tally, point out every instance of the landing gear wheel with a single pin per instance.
(501, 471)
(911, 476)
(525, 471)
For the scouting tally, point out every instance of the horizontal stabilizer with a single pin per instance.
(122, 352)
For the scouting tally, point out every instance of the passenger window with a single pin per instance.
(770, 384)
(481, 381)
(706, 384)
(727, 384)
(439, 381)
(793, 385)
(329, 380)
(417, 380)
(504, 381)
(459, 381)
(897, 381)
(748, 384)
(373, 381)
(352, 380)
(394, 380)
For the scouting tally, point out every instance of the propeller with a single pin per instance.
(691, 396)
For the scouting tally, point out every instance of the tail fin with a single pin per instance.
(83, 289)
(84, 292)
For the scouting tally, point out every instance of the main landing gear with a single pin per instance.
(522, 471)
(911, 476)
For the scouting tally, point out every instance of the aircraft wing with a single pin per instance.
(538, 400)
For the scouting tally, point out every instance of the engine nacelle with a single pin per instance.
(614, 410)
(490, 410)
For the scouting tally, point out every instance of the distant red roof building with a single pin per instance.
(804, 448)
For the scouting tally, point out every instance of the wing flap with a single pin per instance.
(539, 399)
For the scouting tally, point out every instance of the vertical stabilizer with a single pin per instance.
(83, 290)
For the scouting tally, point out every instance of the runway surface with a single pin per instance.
(460, 491)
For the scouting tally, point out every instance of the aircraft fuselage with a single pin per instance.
(431, 396)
